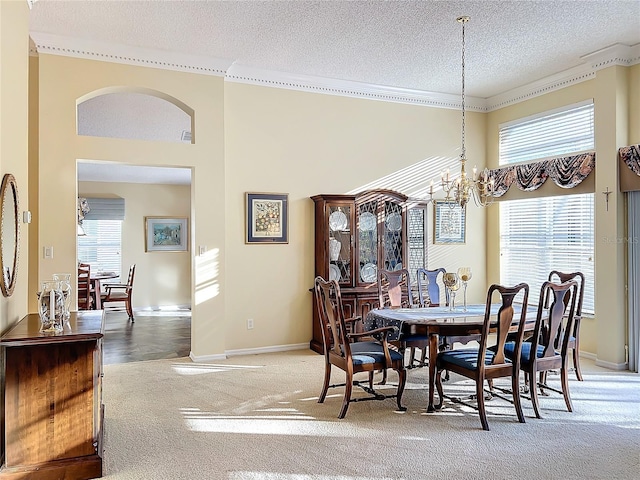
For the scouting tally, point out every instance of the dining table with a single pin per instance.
(439, 321)
(96, 279)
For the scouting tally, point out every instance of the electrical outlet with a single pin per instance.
(249, 323)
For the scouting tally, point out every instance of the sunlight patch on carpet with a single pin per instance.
(203, 368)
(294, 476)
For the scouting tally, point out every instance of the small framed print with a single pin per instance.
(163, 234)
(449, 223)
(267, 217)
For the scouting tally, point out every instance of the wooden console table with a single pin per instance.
(53, 412)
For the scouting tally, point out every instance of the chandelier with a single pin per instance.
(480, 186)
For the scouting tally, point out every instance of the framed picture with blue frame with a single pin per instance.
(266, 217)
(164, 234)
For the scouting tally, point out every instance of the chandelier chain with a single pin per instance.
(463, 152)
(481, 188)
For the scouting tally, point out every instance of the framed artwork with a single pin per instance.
(267, 217)
(449, 223)
(164, 234)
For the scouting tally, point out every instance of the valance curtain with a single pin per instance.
(83, 209)
(629, 168)
(566, 172)
(105, 209)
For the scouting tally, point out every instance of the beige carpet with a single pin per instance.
(257, 417)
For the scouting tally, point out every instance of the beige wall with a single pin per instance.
(613, 92)
(62, 81)
(304, 144)
(276, 141)
(250, 138)
(14, 71)
(634, 104)
(162, 278)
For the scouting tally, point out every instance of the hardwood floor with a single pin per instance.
(153, 336)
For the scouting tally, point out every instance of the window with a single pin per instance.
(558, 233)
(417, 240)
(101, 247)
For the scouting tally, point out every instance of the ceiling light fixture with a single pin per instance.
(480, 187)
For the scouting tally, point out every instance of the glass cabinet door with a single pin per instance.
(367, 242)
(392, 236)
(340, 243)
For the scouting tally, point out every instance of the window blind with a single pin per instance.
(101, 247)
(549, 135)
(538, 235)
(556, 235)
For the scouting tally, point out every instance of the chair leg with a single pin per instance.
(564, 375)
(412, 356)
(129, 309)
(325, 386)
(515, 387)
(347, 395)
(439, 388)
(423, 357)
(576, 361)
(384, 378)
(402, 378)
(533, 391)
(481, 410)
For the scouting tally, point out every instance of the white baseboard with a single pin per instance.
(612, 366)
(602, 363)
(207, 358)
(248, 351)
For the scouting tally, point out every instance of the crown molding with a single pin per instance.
(236, 73)
(254, 76)
(110, 52)
(617, 54)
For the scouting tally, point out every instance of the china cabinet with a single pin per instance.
(52, 412)
(355, 235)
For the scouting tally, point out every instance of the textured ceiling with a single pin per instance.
(407, 44)
(403, 44)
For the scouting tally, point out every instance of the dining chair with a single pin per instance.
(85, 301)
(574, 339)
(394, 291)
(428, 287)
(547, 348)
(429, 296)
(120, 292)
(343, 349)
(488, 361)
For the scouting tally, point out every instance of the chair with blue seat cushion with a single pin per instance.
(394, 291)
(550, 340)
(343, 349)
(488, 361)
(574, 339)
(428, 296)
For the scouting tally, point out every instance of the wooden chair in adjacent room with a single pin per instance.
(85, 300)
(354, 353)
(120, 292)
(574, 339)
(488, 362)
(547, 348)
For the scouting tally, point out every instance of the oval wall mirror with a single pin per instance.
(9, 234)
